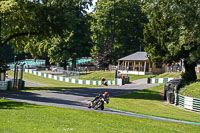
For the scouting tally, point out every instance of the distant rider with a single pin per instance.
(104, 82)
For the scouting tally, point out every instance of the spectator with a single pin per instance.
(177, 67)
(86, 69)
(172, 67)
(167, 67)
(123, 77)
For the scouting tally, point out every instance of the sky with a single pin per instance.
(90, 9)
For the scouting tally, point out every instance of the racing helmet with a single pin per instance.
(105, 93)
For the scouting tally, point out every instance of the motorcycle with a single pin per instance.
(97, 103)
(105, 83)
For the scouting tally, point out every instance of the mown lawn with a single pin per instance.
(149, 102)
(26, 118)
(168, 75)
(98, 75)
(192, 90)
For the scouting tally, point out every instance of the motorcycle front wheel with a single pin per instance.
(102, 106)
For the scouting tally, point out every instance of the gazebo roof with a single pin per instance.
(138, 56)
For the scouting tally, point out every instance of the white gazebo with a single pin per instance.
(138, 63)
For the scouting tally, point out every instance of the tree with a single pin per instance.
(29, 23)
(77, 44)
(173, 33)
(116, 27)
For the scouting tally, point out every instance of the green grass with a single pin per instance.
(149, 102)
(192, 90)
(51, 83)
(26, 118)
(136, 77)
(98, 75)
(198, 76)
(168, 75)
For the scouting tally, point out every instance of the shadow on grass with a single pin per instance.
(50, 88)
(144, 94)
(5, 104)
(85, 73)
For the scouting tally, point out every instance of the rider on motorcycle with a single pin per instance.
(104, 96)
(104, 82)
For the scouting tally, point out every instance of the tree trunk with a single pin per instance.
(74, 62)
(65, 65)
(0, 37)
(190, 73)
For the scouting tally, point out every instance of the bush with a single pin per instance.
(186, 78)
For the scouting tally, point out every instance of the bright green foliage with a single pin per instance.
(76, 43)
(116, 27)
(35, 23)
(172, 33)
(30, 20)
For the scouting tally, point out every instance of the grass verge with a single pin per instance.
(149, 102)
(98, 75)
(22, 118)
(169, 75)
(192, 90)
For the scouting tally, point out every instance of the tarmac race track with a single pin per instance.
(72, 98)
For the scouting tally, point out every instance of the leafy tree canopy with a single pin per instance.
(39, 27)
(173, 32)
(116, 27)
(26, 23)
(77, 44)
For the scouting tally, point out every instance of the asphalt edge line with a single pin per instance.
(156, 117)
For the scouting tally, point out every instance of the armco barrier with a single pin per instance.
(171, 95)
(3, 85)
(159, 80)
(189, 103)
(70, 80)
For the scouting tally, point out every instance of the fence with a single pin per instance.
(189, 102)
(72, 74)
(78, 69)
(159, 80)
(70, 80)
(112, 67)
(28, 63)
(3, 85)
(171, 95)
